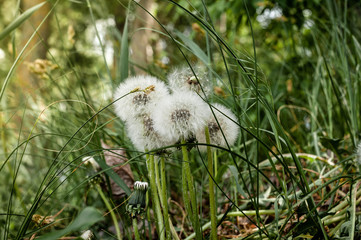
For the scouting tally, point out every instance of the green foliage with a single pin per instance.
(19, 20)
(86, 218)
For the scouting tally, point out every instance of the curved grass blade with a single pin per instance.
(19, 20)
(10, 73)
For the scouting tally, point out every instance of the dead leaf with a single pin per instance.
(118, 157)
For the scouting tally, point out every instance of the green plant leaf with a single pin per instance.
(234, 172)
(124, 54)
(19, 20)
(86, 218)
(109, 171)
(193, 47)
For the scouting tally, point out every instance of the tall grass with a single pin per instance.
(293, 172)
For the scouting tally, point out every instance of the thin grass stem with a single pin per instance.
(110, 209)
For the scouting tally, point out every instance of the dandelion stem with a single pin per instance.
(157, 181)
(212, 201)
(111, 211)
(135, 228)
(155, 198)
(189, 179)
(162, 192)
(148, 217)
(165, 199)
(186, 194)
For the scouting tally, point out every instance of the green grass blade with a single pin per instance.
(19, 20)
(109, 171)
(10, 73)
(124, 55)
(196, 50)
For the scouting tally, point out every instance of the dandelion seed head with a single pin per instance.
(226, 122)
(180, 116)
(183, 79)
(143, 91)
(140, 99)
(143, 135)
(148, 125)
(213, 129)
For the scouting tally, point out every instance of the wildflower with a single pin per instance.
(136, 204)
(226, 121)
(143, 135)
(144, 92)
(180, 116)
(183, 79)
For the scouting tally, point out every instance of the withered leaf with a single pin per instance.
(118, 157)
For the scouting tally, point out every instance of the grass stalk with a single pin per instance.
(353, 209)
(110, 209)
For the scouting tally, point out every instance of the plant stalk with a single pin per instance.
(212, 201)
(189, 178)
(155, 198)
(165, 199)
(110, 209)
(135, 228)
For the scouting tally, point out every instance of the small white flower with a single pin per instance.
(148, 91)
(230, 128)
(183, 79)
(180, 116)
(141, 132)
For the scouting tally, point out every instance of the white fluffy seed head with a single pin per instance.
(227, 124)
(143, 135)
(180, 116)
(148, 91)
(183, 79)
